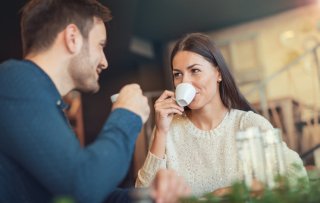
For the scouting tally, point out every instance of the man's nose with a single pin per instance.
(104, 62)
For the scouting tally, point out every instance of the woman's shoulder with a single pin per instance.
(248, 119)
(245, 114)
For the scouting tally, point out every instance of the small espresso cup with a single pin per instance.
(185, 93)
(114, 97)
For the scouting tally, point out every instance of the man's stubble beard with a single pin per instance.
(83, 73)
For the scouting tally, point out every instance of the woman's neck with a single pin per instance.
(209, 117)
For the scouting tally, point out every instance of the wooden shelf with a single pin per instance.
(75, 115)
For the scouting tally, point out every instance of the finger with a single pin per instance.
(186, 191)
(173, 107)
(160, 186)
(134, 85)
(166, 94)
(168, 113)
(168, 192)
(182, 188)
(131, 87)
(169, 110)
(169, 100)
(168, 103)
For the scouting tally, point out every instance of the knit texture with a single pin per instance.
(208, 159)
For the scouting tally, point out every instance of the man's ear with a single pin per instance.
(73, 39)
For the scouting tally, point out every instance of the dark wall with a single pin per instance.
(124, 66)
(10, 30)
(97, 106)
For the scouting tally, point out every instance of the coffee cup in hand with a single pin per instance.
(130, 97)
(114, 97)
(185, 93)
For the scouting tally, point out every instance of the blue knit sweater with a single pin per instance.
(40, 156)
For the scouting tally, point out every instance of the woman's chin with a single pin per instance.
(192, 106)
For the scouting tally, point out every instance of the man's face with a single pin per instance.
(88, 64)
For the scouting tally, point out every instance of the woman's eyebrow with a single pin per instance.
(188, 67)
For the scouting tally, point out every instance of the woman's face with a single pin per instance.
(193, 68)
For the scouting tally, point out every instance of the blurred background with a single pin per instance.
(270, 46)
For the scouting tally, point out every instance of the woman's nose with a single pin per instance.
(186, 79)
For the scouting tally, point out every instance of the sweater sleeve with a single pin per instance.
(295, 167)
(151, 166)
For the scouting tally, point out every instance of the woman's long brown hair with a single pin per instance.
(201, 44)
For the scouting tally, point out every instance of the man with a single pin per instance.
(40, 157)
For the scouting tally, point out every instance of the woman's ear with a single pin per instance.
(73, 39)
(219, 78)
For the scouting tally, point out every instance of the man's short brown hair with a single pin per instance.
(42, 20)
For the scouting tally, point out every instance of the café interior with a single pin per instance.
(272, 48)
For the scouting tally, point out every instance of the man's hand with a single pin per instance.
(168, 187)
(131, 98)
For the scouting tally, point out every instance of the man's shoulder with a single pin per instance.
(20, 77)
(12, 64)
(19, 69)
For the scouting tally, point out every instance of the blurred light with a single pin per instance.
(141, 47)
(287, 36)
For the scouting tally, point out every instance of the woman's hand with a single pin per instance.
(222, 191)
(165, 107)
(256, 189)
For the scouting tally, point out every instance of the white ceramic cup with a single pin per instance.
(114, 97)
(185, 93)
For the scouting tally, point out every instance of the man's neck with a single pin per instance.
(56, 70)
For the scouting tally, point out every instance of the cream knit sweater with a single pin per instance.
(208, 159)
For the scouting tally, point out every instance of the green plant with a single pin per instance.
(63, 199)
(305, 191)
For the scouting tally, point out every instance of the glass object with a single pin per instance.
(274, 157)
(141, 195)
(251, 156)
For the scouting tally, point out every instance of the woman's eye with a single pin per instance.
(195, 70)
(176, 75)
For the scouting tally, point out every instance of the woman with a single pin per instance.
(199, 141)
